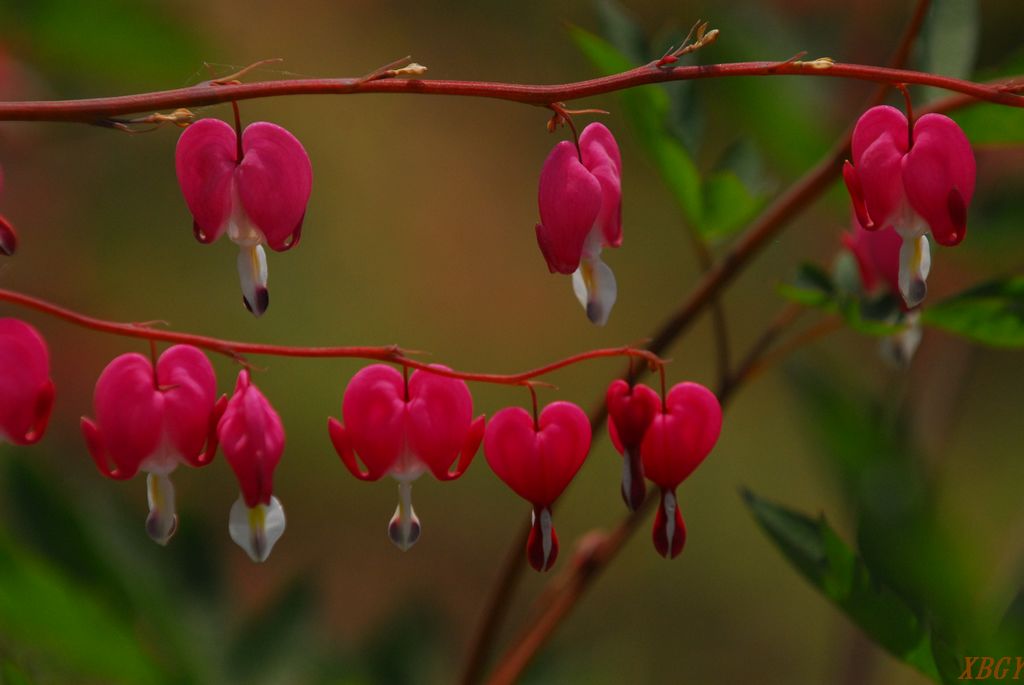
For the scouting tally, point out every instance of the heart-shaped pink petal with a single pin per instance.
(680, 438)
(939, 174)
(274, 179)
(538, 462)
(205, 160)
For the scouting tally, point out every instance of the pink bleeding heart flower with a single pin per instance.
(580, 201)
(8, 238)
(255, 190)
(538, 459)
(252, 437)
(26, 391)
(877, 254)
(153, 420)
(403, 429)
(630, 412)
(677, 441)
(915, 181)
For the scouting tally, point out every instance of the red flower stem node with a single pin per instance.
(252, 437)
(538, 460)
(153, 418)
(404, 429)
(678, 439)
(26, 390)
(252, 185)
(580, 199)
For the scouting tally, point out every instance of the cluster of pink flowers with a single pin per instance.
(911, 178)
(155, 415)
(405, 427)
(152, 415)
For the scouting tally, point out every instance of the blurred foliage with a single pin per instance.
(668, 121)
(837, 293)
(991, 313)
(130, 43)
(906, 587)
(817, 552)
(948, 44)
(79, 606)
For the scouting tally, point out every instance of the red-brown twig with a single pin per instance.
(581, 574)
(95, 109)
(387, 353)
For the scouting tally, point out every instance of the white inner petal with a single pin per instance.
(240, 229)
(252, 272)
(162, 520)
(258, 529)
(669, 501)
(915, 263)
(545, 529)
(404, 526)
(595, 288)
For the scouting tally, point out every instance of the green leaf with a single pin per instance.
(900, 534)
(46, 614)
(812, 287)
(622, 31)
(43, 519)
(278, 632)
(820, 555)
(991, 313)
(728, 205)
(988, 124)
(12, 675)
(949, 40)
(110, 41)
(647, 108)
(874, 316)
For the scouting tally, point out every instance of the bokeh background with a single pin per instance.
(420, 232)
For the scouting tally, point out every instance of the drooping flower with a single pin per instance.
(538, 460)
(8, 237)
(877, 254)
(255, 190)
(26, 391)
(403, 429)
(580, 202)
(252, 437)
(915, 180)
(153, 420)
(681, 435)
(630, 412)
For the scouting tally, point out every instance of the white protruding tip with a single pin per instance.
(595, 288)
(898, 349)
(545, 529)
(915, 263)
(669, 501)
(404, 526)
(252, 272)
(258, 529)
(162, 520)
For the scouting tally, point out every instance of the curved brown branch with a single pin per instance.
(208, 93)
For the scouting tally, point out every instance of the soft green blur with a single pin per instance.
(420, 232)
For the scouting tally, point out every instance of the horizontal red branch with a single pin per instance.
(235, 349)
(208, 93)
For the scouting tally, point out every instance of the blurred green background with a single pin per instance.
(420, 232)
